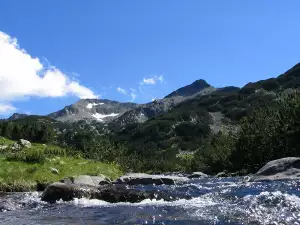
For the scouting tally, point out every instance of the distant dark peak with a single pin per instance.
(293, 72)
(296, 67)
(190, 89)
(200, 84)
(17, 116)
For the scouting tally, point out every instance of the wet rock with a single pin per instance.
(280, 169)
(109, 193)
(24, 143)
(41, 186)
(222, 174)
(178, 174)
(236, 174)
(67, 192)
(197, 175)
(147, 179)
(87, 180)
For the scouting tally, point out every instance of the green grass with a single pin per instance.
(22, 171)
(4, 141)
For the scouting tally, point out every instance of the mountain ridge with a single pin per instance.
(113, 116)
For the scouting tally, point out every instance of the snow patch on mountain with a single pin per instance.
(91, 105)
(100, 117)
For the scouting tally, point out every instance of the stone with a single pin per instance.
(54, 170)
(197, 175)
(67, 192)
(15, 147)
(3, 147)
(147, 179)
(109, 193)
(24, 143)
(41, 186)
(87, 180)
(222, 174)
(178, 174)
(280, 169)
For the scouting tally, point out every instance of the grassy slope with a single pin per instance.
(17, 175)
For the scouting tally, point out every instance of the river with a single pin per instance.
(214, 201)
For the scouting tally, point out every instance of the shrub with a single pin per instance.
(28, 156)
(55, 151)
(269, 133)
(216, 155)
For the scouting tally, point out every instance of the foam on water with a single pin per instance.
(214, 201)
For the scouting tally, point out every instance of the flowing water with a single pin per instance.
(214, 201)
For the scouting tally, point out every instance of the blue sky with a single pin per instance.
(125, 50)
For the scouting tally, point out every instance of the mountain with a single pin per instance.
(16, 116)
(190, 89)
(186, 125)
(144, 112)
(156, 133)
(172, 118)
(289, 79)
(158, 107)
(90, 110)
(106, 115)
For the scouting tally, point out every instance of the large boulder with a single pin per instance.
(177, 174)
(87, 180)
(109, 193)
(67, 192)
(24, 143)
(280, 169)
(147, 179)
(197, 175)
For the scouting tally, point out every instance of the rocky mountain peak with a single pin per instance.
(101, 110)
(190, 89)
(17, 116)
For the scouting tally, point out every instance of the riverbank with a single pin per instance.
(20, 176)
(33, 168)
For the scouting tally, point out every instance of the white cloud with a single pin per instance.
(149, 81)
(132, 93)
(22, 75)
(160, 78)
(7, 108)
(122, 91)
(133, 96)
(152, 80)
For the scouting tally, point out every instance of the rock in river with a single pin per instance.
(112, 193)
(67, 192)
(222, 174)
(280, 169)
(197, 175)
(87, 180)
(147, 179)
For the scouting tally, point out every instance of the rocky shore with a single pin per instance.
(122, 189)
